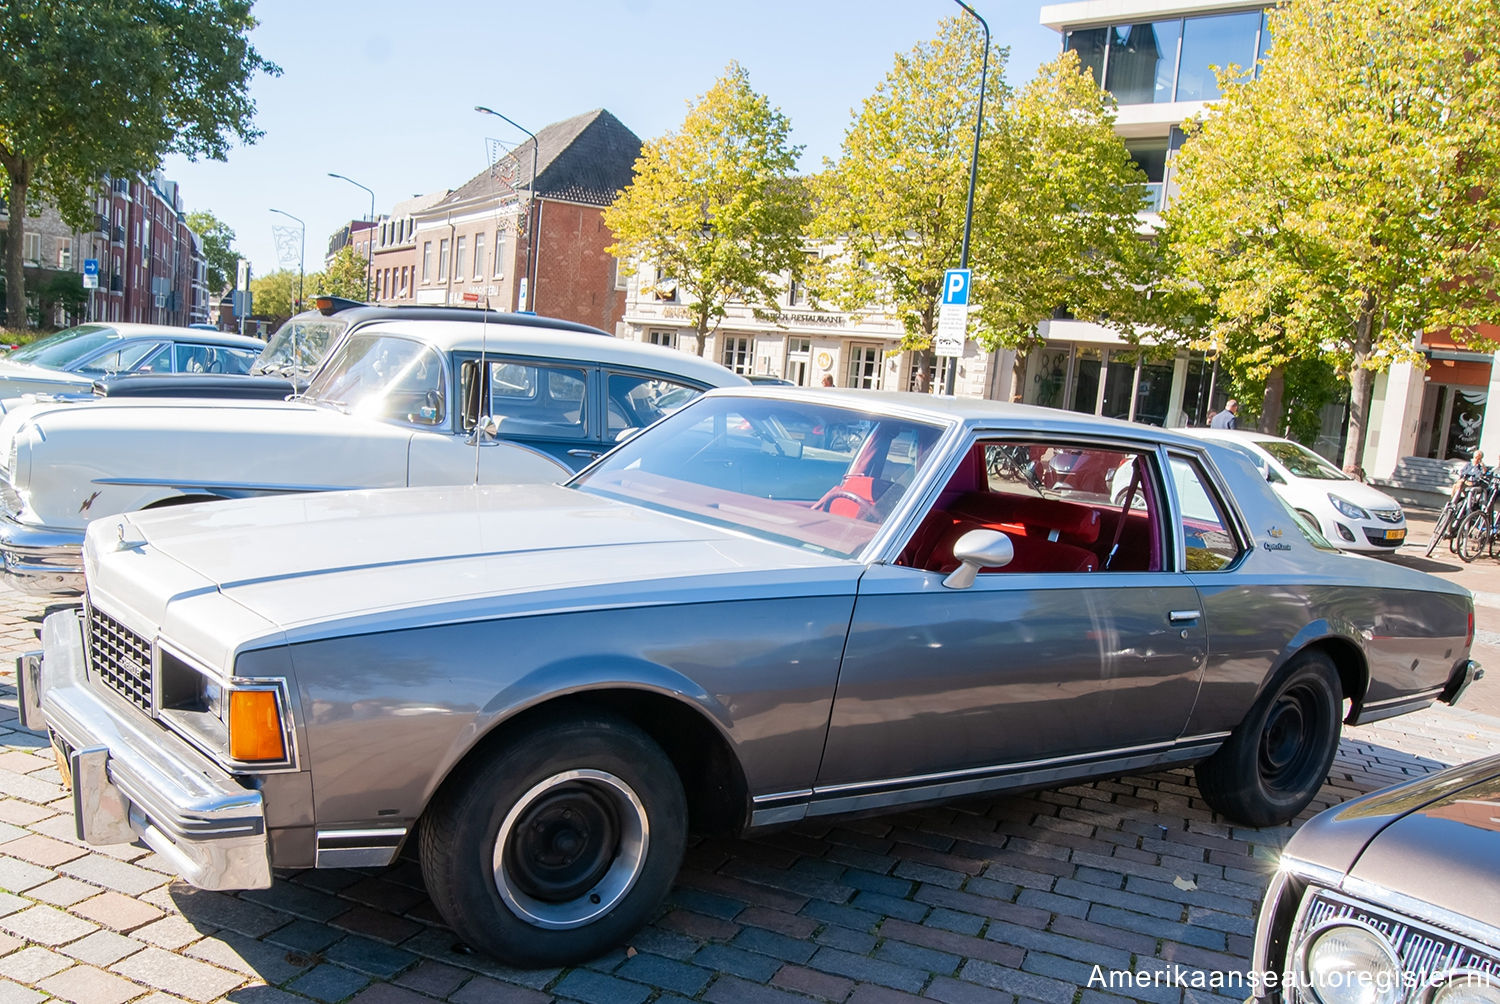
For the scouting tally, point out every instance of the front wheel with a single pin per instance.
(558, 846)
(1440, 529)
(1275, 761)
(1473, 535)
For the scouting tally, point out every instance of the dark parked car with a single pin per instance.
(1392, 898)
(732, 621)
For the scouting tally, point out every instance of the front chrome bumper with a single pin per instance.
(40, 560)
(133, 779)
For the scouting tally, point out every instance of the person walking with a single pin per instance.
(1228, 418)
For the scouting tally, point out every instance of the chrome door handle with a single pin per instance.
(1181, 616)
(591, 454)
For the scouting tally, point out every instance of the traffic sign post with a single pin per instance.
(953, 314)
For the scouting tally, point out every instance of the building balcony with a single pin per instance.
(101, 224)
(117, 235)
(116, 284)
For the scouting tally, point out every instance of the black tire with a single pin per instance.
(559, 845)
(1440, 529)
(1275, 761)
(1473, 535)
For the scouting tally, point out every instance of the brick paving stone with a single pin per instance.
(368, 956)
(46, 925)
(483, 990)
(597, 988)
(32, 964)
(87, 985)
(329, 983)
(951, 991)
(220, 910)
(13, 810)
(170, 933)
(385, 993)
(654, 970)
(12, 993)
(111, 874)
(117, 912)
(174, 974)
(63, 891)
(377, 924)
(868, 970)
(250, 957)
(40, 850)
(102, 948)
(870, 994)
(732, 990)
(810, 981)
(433, 978)
(18, 876)
(1028, 985)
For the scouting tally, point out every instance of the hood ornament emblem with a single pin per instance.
(121, 544)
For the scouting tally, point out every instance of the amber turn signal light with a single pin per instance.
(255, 726)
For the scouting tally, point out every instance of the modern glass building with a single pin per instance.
(1156, 58)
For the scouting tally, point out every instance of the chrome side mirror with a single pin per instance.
(979, 549)
(484, 432)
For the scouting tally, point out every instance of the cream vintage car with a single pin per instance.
(396, 403)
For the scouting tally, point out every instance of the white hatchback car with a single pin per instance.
(1351, 514)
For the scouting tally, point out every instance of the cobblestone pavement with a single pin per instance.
(1008, 900)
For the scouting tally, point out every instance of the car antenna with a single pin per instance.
(479, 390)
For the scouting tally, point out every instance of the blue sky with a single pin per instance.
(384, 92)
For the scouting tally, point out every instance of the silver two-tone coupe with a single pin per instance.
(772, 605)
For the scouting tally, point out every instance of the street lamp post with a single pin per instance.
(531, 224)
(370, 247)
(950, 381)
(301, 254)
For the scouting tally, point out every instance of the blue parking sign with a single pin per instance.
(956, 287)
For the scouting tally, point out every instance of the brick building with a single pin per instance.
(396, 250)
(151, 265)
(475, 239)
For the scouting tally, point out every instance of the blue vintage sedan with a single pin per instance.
(772, 605)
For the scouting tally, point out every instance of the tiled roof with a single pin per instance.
(588, 158)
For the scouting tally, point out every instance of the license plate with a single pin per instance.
(1395, 535)
(63, 767)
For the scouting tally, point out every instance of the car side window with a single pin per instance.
(1209, 543)
(159, 361)
(527, 399)
(634, 401)
(1065, 506)
(128, 358)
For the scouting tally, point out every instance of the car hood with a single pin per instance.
(24, 378)
(1443, 850)
(348, 562)
(1413, 837)
(1357, 492)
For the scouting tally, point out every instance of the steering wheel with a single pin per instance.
(866, 509)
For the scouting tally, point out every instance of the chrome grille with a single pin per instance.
(1387, 515)
(120, 658)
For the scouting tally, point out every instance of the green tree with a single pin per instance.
(1061, 208)
(1345, 200)
(95, 87)
(218, 249)
(714, 206)
(891, 208)
(347, 275)
(1055, 220)
(274, 294)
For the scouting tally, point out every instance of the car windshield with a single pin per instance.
(299, 344)
(1302, 462)
(383, 376)
(62, 350)
(816, 476)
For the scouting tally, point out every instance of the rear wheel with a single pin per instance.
(1273, 764)
(559, 845)
(1473, 535)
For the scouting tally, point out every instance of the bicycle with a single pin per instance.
(1455, 511)
(1479, 531)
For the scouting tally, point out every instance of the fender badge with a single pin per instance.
(1275, 532)
(90, 501)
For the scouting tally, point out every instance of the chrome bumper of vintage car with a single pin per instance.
(1463, 676)
(133, 780)
(39, 559)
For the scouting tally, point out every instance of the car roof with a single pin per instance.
(974, 412)
(201, 336)
(353, 313)
(526, 339)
